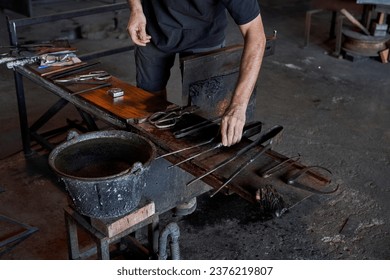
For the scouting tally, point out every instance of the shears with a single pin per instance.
(94, 75)
(169, 118)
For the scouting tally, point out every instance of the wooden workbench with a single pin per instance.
(130, 112)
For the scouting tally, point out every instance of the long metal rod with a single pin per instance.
(186, 149)
(68, 15)
(93, 88)
(216, 146)
(107, 52)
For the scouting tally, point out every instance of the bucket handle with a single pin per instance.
(136, 169)
(72, 134)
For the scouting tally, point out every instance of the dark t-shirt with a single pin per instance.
(182, 25)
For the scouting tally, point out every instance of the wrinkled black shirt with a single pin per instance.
(180, 25)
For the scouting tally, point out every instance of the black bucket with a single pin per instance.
(104, 172)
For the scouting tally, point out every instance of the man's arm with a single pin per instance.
(234, 118)
(137, 24)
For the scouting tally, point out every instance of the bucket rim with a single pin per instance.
(118, 134)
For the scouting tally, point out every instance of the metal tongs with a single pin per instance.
(262, 139)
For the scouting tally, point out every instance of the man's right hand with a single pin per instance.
(137, 25)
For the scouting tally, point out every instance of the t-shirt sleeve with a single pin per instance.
(242, 11)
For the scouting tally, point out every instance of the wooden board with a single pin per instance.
(134, 107)
(112, 227)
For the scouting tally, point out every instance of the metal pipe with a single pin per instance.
(69, 15)
(172, 230)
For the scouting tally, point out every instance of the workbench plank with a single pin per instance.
(135, 106)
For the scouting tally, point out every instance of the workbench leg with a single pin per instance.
(153, 236)
(88, 119)
(339, 35)
(73, 243)
(103, 249)
(309, 15)
(332, 33)
(24, 127)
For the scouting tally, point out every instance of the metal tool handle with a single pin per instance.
(196, 127)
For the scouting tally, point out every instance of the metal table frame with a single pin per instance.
(73, 220)
(31, 132)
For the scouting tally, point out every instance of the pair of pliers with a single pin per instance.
(94, 75)
(169, 118)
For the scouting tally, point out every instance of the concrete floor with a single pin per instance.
(335, 113)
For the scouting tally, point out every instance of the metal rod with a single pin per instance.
(107, 52)
(218, 145)
(188, 148)
(70, 14)
(93, 88)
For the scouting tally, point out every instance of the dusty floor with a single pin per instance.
(336, 114)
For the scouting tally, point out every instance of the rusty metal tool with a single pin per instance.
(293, 180)
(262, 138)
(249, 131)
(93, 88)
(195, 128)
(283, 164)
(242, 167)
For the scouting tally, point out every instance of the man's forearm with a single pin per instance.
(252, 57)
(135, 5)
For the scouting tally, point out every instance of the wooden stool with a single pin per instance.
(333, 6)
(105, 232)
